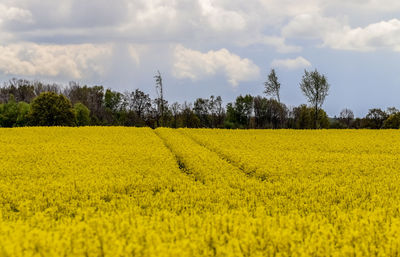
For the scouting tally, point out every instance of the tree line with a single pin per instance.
(34, 103)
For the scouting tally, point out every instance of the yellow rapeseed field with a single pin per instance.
(114, 191)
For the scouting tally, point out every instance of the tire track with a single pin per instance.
(179, 161)
(248, 172)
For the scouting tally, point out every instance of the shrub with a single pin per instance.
(82, 115)
(51, 109)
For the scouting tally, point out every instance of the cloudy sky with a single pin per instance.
(209, 47)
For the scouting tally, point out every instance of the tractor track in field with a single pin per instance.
(249, 173)
(222, 157)
(181, 165)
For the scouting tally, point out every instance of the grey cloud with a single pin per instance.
(71, 14)
(143, 34)
(227, 22)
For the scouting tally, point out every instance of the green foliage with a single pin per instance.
(393, 122)
(23, 114)
(322, 120)
(229, 125)
(304, 118)
(112, 100)
(95, 106)
(239, 113)
(189, 118)
(82, 115)
(201, 109)
(335, 123)
(375, 118)
(272, 86)
(9, 113)
(315, 87)
(13, 114)
(269, 113)
(92, 97)
(209, 111)
(51, 109)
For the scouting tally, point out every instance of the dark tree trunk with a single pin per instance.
(316, 117)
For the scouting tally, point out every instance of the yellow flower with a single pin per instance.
(115, 191)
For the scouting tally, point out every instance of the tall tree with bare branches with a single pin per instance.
(160, 94)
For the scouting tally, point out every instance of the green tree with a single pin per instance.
(217, 111)
(269, 113)
(91, 97)
(112, 100)
(303, 117)
(189, 118)
(112, 111)
(201, 109)
(375, 118)
(322, 118)
(9, 113)
(51, 109)
(140, 103)
(238, 114)
(392, 122)
(23, 114)
(244, 109)
(82, 115)
(272, 86)
(315, 87)
(175, 110)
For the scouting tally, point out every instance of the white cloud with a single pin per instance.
(277, 11)
(287, 26)
(381, 35)
(12, 13)
(144, 21)
(291, 64)
(308, 26)
(72, 61)
(196, 65)
(220, 19)
(228, 21)
(337, 34)
(280, 44)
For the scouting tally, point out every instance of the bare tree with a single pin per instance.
(392, 110)
(346, 115)
(272, 86)
(315, 87)
(160, 94)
